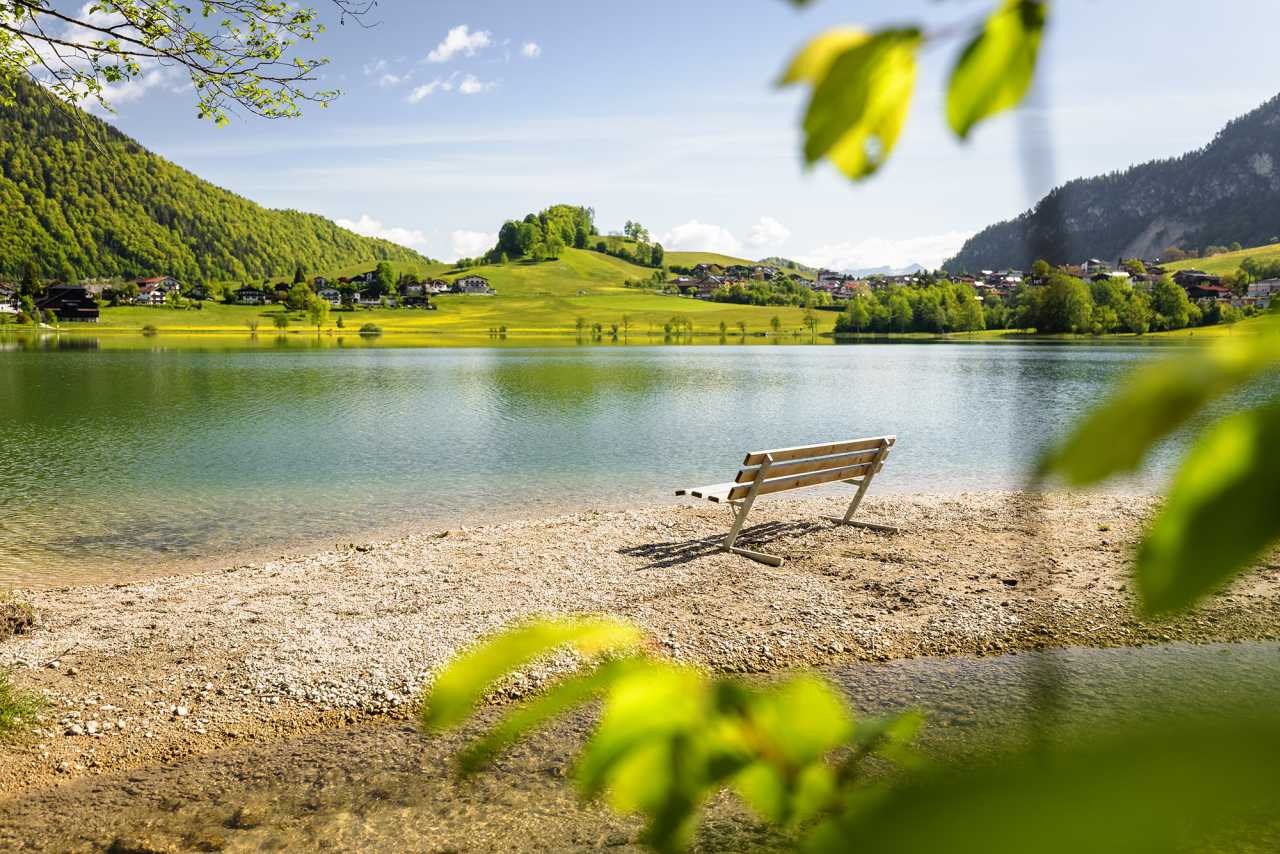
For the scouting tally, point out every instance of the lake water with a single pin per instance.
(121, 462)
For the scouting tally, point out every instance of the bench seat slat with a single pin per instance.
(802, 452)
(715, 493)
(747, 475)
(782, 484)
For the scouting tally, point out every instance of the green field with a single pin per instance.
(532, 300)
(1228, 262)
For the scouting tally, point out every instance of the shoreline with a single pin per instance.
(172, 668)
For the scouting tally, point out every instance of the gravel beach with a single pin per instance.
(174, 668)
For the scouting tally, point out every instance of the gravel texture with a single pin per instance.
(154, 672)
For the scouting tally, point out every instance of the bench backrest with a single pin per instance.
(811, 465)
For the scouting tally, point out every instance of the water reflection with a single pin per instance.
(151, 455)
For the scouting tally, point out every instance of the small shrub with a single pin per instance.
(371, 329)
(150, 330)
(15, 617)
(18, 708)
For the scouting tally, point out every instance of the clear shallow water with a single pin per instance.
(117, 461)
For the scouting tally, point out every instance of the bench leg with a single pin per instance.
(760, 557)
(740, 511)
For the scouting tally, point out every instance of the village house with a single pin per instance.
(1212, 292)
(319, 283)
(71, 303)
(473, 284)
(1261, 293)
(250, 296)
(333, 296)
(1187, 278)
(437, 286)
(8, 298)
(369, 299)
(162, 283)
(149, 294)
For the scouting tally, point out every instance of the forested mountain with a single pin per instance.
(83, 200)
(1226, 192)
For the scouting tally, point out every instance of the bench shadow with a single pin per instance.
(661, 555)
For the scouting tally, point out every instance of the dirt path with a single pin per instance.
(170, 669)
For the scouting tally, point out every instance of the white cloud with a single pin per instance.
(469, 244)
(426, 90)
(460, 40)
(472, 85)
(372, 68)
(388, 80)
(768, 233)
(696, 236)
(531, 50)
(370, 227)
(929, 251)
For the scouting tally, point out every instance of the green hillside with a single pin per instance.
(82, 200)
(533, 300)
(1229, 262)
(576, 270)
(693, 259)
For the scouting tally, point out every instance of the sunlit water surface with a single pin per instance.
(120, 462)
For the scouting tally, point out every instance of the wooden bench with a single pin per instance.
(856, 462)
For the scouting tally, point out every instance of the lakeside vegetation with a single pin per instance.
(1052, 302)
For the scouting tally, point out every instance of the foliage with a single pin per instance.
(544, 235)
(79, 194)
(1162, 785)
(1219, 514)
(862, 87)
(237, 53)
(863, 83)
(995, 70)
(670, 737)
(779, 291)
(937, 308)
(18, 708)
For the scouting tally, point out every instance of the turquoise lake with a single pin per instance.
(122, 463)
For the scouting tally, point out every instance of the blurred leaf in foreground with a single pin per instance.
(468, 678)
(670, 736)
(995, 69)
(1222, 511)
(862, 91)
(1155, 401)
(1161, 786)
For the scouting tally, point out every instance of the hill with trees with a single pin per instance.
(1225, 193)
(81, 199)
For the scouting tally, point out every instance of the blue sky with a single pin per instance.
(664, 112)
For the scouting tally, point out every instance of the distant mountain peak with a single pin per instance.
(1226, 192)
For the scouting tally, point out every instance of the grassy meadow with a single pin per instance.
(1228, 262)
(533, 300)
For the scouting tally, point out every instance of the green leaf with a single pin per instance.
(564, 695)
(801, 720)
(860, 104)
(468, 677)
(642, 707)
(1156, 400)
(1159, 787)
(813, 61)
(995, 69)
(1221, 512)
(892, 738)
